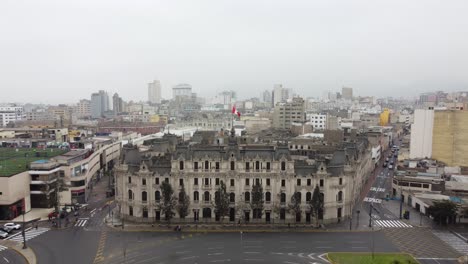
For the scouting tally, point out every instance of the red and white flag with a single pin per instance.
(234, 111)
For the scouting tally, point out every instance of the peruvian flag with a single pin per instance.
(234, 111)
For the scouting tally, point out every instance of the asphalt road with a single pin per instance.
(437, 261)
(9, 256)
(287, 248)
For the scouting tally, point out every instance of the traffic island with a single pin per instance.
(369, 258)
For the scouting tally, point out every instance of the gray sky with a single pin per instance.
(61, 51)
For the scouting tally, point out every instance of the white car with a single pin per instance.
(3, 234)
(13, 225)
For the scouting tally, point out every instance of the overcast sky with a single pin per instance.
(61, 51)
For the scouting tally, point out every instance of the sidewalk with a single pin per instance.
(27, 253)
(415, 219)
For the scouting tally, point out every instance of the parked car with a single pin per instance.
(13, 225)
(390, 167)
(3, 234)
(6, 229)
(385, 164)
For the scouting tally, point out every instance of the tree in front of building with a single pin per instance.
(443, 212)
(295, 205)
(257, 202)
(316, 204)
(183, 203)
(168, 201)
(221, 201)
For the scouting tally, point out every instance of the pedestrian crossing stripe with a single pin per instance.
(2, 248)
(81, 222)
(392, 223)
(29, 234)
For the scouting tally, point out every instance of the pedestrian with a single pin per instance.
(36, 226)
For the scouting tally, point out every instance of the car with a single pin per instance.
(386, 159)
(6, 229)
(3, 234)
(391, 162)
(12, 225)
(385, 164)
(390, 167)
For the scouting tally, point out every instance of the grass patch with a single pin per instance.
(366, 258)
(13, 161)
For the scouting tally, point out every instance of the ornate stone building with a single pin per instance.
(200, 169)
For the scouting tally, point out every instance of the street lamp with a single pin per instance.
(22, 231)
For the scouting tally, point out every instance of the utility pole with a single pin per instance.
(370, 215)
(401, 203)
(22, 231)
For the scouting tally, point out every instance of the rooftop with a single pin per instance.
(14, 161)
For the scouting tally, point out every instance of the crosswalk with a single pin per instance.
(392, 224)
(81, 222)
(2, 248)
(29, 234)
(452, 240)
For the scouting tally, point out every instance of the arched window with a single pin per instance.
(340, 196)
(196, 196)
(308, 196)
(207, 196)
(144, 196)
(130, 195)
(232, 197)
(268, 196)
(283, 197)
(247, 196)
(157, 196)
(283, 166)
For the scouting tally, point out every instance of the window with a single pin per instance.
(207, 165)
(283, 183)
(166, 180)
(247, 166)
(145, 212)
(207, 196)
(217, 165)
(426, 186)
(157, 196)
(157, 181)
(195, 165)
(283, 198)
(257, 165)
(268, 197)
(143, 181)
(195, 181)
(247, 182)
(129, 179)
(309, 182)
(217, 181)
(181, 165)
(298, 197)
(233, 165)
(247, 196)
(130, 211)
(341, 181)
(283, 166)
(298, 182)
(232, 197)
(181, 182)
(321, 182)
(339, 197)
(268, 182)
(308, 196)
(268, 165)
(144, 196)
(130, 195)
(232, 182)
(196, 196)
(257, 181)
(207, 181)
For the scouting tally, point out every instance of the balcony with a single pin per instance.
(156, 186)
(130, 185)
(206, 187)
(338, 186)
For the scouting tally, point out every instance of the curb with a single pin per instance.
(21, 254)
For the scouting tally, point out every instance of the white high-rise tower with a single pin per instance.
(154, 92)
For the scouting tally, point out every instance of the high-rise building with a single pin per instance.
(347, 93)
(450, 137)
(281, 94)
(11, 114)
(154, 92)
(421, 134)
(117, 103)
(289, 112)
(267, 96)
(83, 108)
(182, 89)
(99, 104)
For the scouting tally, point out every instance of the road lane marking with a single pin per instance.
(289, 262)
(6, 260)
(182, 252)
(191, 257)
(215, 254)
(251, 252)
(253, 259)
(221, 260)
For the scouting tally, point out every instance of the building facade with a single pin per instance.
(421, 134)
(154, 92)
(200, 170)
(182, 89)
(83, 108)
(287, 113)
(99, 104)
(11, 114)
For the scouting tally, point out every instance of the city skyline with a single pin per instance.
(378, 49)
